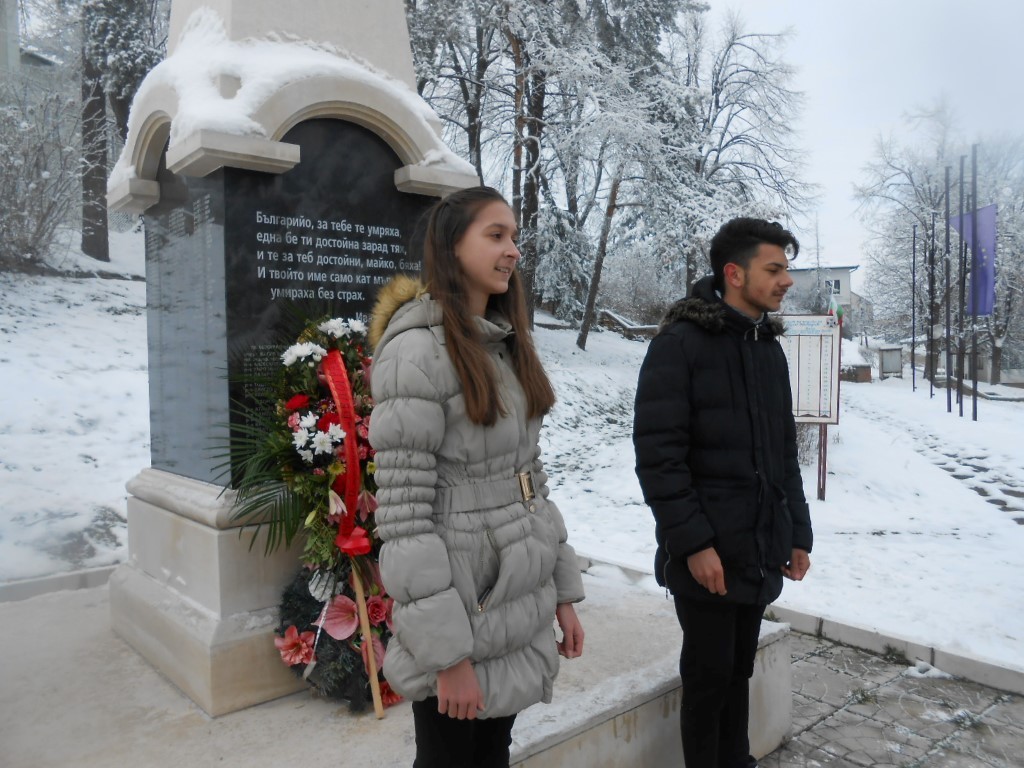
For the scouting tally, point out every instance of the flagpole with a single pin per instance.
(948, 297)
(913, 315)
(974, 283)
(930, 367)
(961, 338)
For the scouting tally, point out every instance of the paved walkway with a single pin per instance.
(853, 709)
(72, 693)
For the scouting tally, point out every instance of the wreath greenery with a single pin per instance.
(303, 467)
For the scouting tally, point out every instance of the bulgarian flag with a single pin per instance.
(835, 308)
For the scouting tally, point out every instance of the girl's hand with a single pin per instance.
(458, 692)
(571, 645)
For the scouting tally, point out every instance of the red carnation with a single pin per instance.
(325, 422)
(296, 402)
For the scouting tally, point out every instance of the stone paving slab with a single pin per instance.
(855, 709)
(851, 708)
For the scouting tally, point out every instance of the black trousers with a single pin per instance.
(717, 662)
(444, 742)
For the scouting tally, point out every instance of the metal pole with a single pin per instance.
(930, 365)
(913, 315)
(974, 283)
(913, 312)
(961, 338)
(948, 297)
(822, 459)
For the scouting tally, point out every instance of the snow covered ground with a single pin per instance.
(917, 537)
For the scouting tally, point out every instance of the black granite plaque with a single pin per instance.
(234, 258)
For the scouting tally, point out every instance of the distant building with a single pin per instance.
(15, 58)
(815, 287)
(826, 282)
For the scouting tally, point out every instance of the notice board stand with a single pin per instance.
(812, 346)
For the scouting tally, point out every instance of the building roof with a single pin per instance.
(851, 267)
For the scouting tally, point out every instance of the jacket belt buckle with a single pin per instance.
(526, 485)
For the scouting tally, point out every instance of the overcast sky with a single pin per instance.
(863, 64)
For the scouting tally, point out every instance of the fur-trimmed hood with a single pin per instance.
(393, 296)
(705, 308)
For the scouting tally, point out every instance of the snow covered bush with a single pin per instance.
(38, 171)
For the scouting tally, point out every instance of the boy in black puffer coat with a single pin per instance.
(716, 456)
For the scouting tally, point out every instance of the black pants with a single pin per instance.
(717, 662)
(444, 742)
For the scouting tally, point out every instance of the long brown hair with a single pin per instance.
(447, 222)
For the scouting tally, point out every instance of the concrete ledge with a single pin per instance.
(134, 196)
(203, 152)
(985, 671)
(206, 503)
(429, 180)
(618, 705)
(28, 588)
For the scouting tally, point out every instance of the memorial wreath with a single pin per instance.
(304, 467)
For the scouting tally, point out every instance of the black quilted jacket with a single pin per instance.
(716, 448)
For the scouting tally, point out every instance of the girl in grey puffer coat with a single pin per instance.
(475, 554)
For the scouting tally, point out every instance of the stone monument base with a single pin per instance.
(195, 599)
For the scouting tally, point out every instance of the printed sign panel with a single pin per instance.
(811, 344)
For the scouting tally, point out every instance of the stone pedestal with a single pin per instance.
(280, 157)
(198, 598)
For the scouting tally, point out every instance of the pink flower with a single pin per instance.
(378, 652)
(293, 421)
(336, 513)
(377, 609)
(295, 648)
(340, 619)
(366, 504)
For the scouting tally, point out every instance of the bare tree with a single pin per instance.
(904, 186)
(38, 174)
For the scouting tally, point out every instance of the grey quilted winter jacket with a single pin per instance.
(475, 570)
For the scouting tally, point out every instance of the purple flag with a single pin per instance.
(981, 292)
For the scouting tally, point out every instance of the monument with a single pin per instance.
(277, 157)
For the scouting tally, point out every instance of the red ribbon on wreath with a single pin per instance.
(351, 540)
(341, 390)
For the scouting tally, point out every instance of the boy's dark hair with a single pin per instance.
(737, 241)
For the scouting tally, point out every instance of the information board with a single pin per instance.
(812, 344)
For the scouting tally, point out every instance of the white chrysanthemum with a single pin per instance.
(297, 352)
(357, 326)
(335, 328)
(300, 439)
(336, 433)
(308, 421)
(307, 456)
(322, 443)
